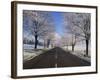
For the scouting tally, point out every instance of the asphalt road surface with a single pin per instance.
(55, 57)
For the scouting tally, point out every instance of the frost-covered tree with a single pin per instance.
(66, 41)
(70, 29)
(78, 24)
(39, 23)
(50, 38)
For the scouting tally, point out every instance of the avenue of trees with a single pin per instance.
(78, 25)
(40, 25)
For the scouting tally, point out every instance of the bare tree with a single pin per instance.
(39, 24)
(84, 25)
(70, 29)
(78, 24)
(66, 41)
(50, 38)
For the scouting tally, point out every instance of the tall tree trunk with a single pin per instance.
(44, 44)
(36, 42)
(73, 47)
(48, 43)
(52, 45)
(67, 47)
(73, 42)
(87, 43)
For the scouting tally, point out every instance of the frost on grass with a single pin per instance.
(29, 52)
(79, 52)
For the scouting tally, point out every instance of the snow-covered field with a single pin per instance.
(30, 53)
(29, 46)
(81, 54)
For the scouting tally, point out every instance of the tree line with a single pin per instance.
(41, 25)
(78, 26)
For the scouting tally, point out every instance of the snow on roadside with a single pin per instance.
(31, 46)
(30, 55)
(80, 54)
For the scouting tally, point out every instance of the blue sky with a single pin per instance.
(58, 23)
(58, 20)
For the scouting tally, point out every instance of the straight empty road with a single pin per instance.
(55, 57)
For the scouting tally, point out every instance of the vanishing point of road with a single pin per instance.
(55, 57)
